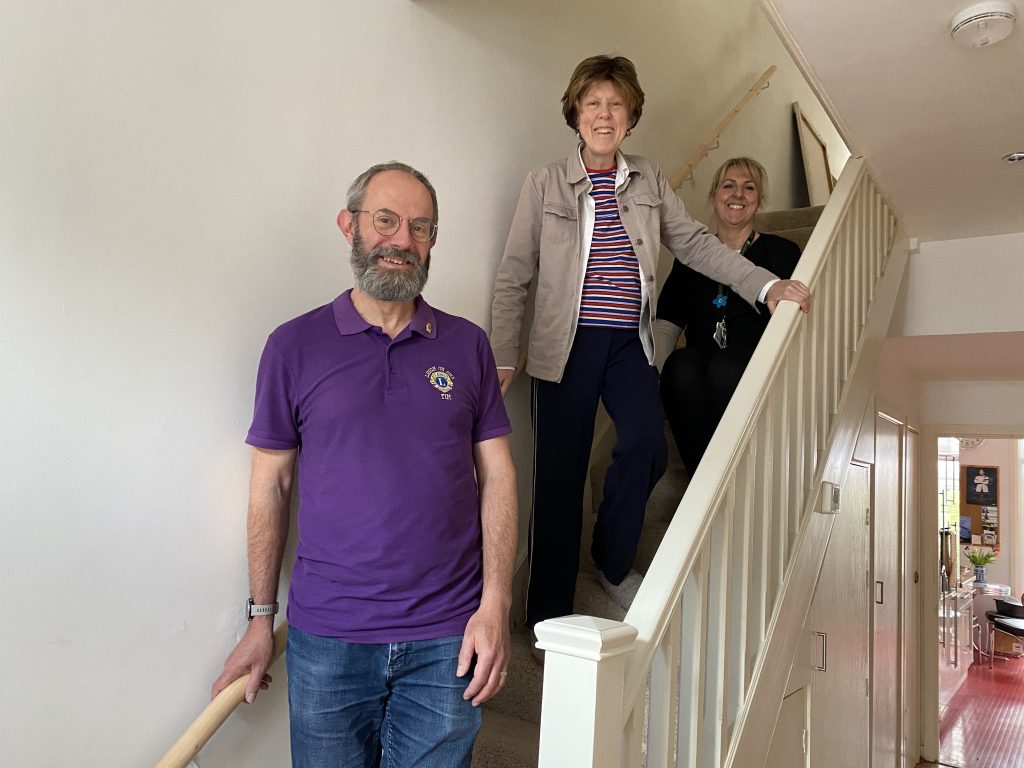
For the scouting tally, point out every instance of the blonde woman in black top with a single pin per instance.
(698, 380)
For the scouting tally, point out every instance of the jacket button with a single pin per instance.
(625, 209)
(640, 241)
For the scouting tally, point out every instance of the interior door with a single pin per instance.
(886, 643)
(840, 635)
(789, 742)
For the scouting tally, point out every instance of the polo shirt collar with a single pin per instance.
(349, 322)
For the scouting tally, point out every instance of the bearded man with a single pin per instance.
(400, 593)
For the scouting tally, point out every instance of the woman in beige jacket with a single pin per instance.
(588, 230)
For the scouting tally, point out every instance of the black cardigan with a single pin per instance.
(686, 300)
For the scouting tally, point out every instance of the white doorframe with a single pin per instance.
(911, 522)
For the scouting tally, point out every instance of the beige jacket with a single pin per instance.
(549, 241)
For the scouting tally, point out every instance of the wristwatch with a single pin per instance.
(251, 609)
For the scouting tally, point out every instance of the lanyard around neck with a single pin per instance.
(723, 293)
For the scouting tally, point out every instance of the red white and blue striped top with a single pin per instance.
(611, 285)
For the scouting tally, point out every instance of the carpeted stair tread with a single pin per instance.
(521, 695)
(794, 218)
(592, 599)
(506, 742)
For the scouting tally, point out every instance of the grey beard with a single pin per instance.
(387, 284)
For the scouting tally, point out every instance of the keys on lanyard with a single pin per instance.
(720, 334)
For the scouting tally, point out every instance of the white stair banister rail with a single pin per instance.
(709, 599)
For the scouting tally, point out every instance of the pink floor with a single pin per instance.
(983, 726)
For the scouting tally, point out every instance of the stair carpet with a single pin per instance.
(795, 224)
(510, 734)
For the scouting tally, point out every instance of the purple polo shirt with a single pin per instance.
(389, 515)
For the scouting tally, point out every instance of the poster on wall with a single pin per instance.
(981, 485)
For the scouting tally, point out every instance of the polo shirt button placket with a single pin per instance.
(391, 368)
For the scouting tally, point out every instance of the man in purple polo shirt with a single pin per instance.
(400, 593)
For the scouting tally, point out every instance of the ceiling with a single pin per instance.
(932, 119)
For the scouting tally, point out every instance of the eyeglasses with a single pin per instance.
(387, 223)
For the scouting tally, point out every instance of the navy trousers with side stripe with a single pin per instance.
(607, 365)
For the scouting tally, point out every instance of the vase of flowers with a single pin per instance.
(981, 558)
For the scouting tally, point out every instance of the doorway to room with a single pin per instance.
(980, 481)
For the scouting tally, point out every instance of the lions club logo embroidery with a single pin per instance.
(443, 381)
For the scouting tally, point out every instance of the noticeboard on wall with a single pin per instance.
(980, 503)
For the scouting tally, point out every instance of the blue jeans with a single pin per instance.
(393, 705)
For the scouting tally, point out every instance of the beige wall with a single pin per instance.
(169, 178)
(982, 403)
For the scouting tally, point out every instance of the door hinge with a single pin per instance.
(803, 742)
(867, 515)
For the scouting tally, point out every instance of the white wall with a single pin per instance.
(169, 178)
(964, 286)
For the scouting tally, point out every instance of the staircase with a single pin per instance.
(511, 729)
(510, 734)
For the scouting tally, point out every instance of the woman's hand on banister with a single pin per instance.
(788, 290)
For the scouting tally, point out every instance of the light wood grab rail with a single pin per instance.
(217, 711)
(702, 151)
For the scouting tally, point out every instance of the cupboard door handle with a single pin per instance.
(824, 652)
(942, 636)
(880, 592)
(956, 637)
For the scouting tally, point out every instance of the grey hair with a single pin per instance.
(357, 192)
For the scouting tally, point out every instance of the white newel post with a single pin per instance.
(584, 666)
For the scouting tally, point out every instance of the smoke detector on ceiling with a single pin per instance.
(983, 24)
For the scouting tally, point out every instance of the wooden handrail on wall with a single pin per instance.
(687, 170)
(217, 711)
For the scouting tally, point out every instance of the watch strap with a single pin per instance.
(267, 609)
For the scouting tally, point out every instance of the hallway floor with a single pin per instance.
(983, 726)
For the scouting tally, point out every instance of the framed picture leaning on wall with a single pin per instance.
(981, 485)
